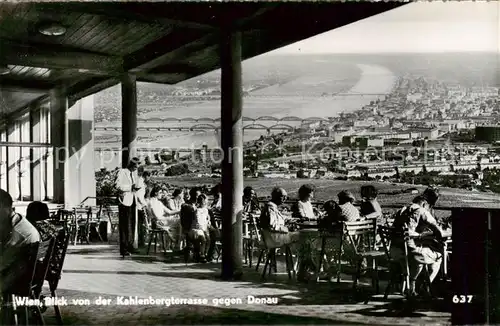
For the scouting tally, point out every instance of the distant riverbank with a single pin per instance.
(374, 80)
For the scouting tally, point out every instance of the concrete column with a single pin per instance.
(80, 180)
(58, 138)
(232, 146)
(36, 154)
(129, 128)
(13, 156)
(129, 118)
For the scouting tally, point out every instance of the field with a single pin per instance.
(389, 194)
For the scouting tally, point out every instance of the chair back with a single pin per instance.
(57, 260)
(254, 231)
(216, 214)
(82, 213)
(361, 232)
(20, 276)
(43, 257)
(95, 213)
(386, 233)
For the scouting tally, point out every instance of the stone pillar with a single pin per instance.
(58, 139)
(13, 156)
(36, 183)
(80, 183)
(129, 118)
(232, 146)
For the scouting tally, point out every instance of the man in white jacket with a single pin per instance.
(126, 181)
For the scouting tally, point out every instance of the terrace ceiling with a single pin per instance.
(159, 42)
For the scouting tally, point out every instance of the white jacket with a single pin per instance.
(124, 182)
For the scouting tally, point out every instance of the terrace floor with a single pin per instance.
(97, 271)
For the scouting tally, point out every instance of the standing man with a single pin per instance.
(126, 181)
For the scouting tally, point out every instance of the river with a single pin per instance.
(374, 79)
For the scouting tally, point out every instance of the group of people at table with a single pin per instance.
(189, 217)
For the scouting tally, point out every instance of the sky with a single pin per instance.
(420, 27)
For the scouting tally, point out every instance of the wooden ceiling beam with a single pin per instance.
(58, 57)
(173, 47)
(172, 69)
(18, 84)
(118, 11)
(89, 87)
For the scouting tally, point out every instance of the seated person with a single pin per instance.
(419, 221)
(303, 209)
(272, 222)
(331, 219)
(175, 203)
(38, 215)
(199, 233)
(217, 201)
(250, 201)
(188, 217)
(370, 208)
(162, 217)
(348, 212)
(16, 235)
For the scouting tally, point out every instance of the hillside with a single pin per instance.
(328, 189)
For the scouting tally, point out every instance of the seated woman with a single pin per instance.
(303, 209)
(38, 215)
(370, 208)
(175, 203)
(162, 217)
(199, 233)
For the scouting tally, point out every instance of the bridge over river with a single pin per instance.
(269, 123)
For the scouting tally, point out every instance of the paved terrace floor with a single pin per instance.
(91, 271)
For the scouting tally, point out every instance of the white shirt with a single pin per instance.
(23, 233)
(175, 204)
(124, 182)
(157, 209)
(306, 209)
(202, 220)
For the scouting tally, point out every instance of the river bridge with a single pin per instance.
(290, 123)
